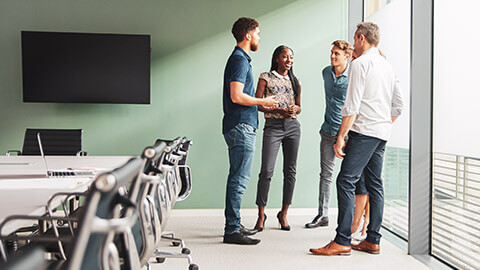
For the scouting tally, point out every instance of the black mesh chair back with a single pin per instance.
(101, 204)
(140, 192)
(55, 142)
(182, 146)
(185, 174)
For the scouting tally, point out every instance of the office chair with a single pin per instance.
(167, 194)
(32, 258)
(147, 231)
(92, 246)
(184, 172)
(56, 142)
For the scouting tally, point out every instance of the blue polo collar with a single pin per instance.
(345, 73)
(244, 53)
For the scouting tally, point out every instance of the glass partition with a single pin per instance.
(372, 6)
(456, 164)
(395, 177)
(456, 208)
(393, 19)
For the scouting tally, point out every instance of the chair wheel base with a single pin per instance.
(185, 251)
(193, 267)
(160, 260)
(176, 244)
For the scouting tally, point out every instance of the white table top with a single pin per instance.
(25, 191)
(33, 166)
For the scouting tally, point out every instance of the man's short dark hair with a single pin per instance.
(242, 26)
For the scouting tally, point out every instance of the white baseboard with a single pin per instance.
(246, 212)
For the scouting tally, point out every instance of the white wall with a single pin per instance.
(394, 23)
(456, 72)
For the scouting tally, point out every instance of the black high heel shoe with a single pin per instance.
(283, 228)
(259, 229)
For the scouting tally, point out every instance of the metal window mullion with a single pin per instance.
(457, 175)
(421, 113)
(465, 180)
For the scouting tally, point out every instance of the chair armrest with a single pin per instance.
(43, 238)
(27, 217)
(67, 196)
(117, 225)
(188, 183)
(13, 151)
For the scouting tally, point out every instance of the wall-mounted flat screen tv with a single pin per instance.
(85, 68)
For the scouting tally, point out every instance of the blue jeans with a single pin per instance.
(241, 148)
(363, 154)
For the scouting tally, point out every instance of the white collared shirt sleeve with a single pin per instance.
(355, 89)
(397, 100)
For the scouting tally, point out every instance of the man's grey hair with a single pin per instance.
(370, 31)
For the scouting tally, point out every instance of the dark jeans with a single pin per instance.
(241, 148)
(287, 133)
(363, 154)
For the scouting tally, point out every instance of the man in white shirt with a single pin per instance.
(372, 104)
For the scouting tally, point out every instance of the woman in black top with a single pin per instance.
(281, 128)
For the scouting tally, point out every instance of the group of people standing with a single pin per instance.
(363, 99)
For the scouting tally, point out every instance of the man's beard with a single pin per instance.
(253, 47)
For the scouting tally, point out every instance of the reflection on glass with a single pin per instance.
(456, 204)
(372, 6)
(395, 44)
(395, 182)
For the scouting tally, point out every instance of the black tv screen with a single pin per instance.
(85, 68)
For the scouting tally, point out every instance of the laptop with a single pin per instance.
(62, 173)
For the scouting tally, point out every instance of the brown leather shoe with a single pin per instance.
(367, 247)
(332, 249)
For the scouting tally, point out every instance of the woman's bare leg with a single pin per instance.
(261, 217)
(367, 218)
(361, 202)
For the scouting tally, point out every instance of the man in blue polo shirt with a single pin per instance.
(335, 78)
(240, 122)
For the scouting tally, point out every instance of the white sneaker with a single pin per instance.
(357, 236)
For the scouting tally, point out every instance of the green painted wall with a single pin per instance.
(191, 42)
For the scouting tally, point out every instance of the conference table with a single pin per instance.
(25, 189)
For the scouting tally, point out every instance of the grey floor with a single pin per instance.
(202, 231)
